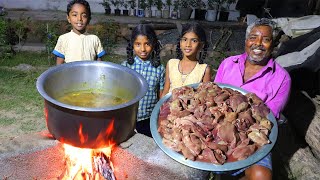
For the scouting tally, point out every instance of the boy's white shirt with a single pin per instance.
(76, 47)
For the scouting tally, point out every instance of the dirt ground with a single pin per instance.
(14, 139)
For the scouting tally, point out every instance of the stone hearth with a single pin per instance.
(137, 158)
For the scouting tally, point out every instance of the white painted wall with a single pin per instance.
(46, 5)
(62, 6)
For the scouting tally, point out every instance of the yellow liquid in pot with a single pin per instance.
(90, 99)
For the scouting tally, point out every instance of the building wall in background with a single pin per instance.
(61, 5)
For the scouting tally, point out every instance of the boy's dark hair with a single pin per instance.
(145, 30)
(199, 31)
(83, 2)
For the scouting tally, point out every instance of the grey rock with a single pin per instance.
(292, 155)
(24, 67)
(304, 115)
(304, 165)
(313, 136)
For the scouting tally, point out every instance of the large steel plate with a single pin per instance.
(229, 166)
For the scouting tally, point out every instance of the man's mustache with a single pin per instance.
(258, 47)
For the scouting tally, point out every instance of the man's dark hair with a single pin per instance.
(263, 22)
(83, 2)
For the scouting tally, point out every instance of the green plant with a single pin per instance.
(158, 4)
(116, 3)
(105, 4)
(52, 36)
(225, 4)
(125, 4)
(49, 31)
(176, 5)
(142, 4)
(197, 4)
(184, 3)
(213, 4)
(132, 4)
(20, 28)
(107, 32)
(149, 4)
(6, 50)
(168, 3)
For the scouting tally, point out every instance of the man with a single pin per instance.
(256, 72)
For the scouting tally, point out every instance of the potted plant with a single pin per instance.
(142, 7)
(224, 9)
(212, 11)
(125, 11)
(185, 9)
(174, 13)
(166, 10)
(116, 4)
(148, 11)
(132, 5)
(159, 5)
(199, 9)
(106, 5)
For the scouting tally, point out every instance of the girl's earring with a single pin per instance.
(202, 45)
(200, 54)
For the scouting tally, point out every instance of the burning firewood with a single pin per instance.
(87, 164)
(102, 165)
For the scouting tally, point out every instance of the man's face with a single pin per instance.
(259, 44)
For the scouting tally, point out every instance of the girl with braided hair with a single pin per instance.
(143, 56)
(188, 68)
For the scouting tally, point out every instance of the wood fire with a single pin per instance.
(87, 163)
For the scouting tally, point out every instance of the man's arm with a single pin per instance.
(219, 75)
(279, 101)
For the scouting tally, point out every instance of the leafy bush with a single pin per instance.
(14, 32)
(108, 32)
(6, 50)
(53, 30)
(49, 32)
(17, 30)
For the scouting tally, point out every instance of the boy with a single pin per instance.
(78, 45)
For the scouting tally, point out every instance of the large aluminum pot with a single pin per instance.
(91, 127)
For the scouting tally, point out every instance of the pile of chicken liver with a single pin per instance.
(214, 124)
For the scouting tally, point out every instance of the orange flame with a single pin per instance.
(46, 115)
(79, 161)
(83, 137)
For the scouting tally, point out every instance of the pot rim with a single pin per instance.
(41, 79)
